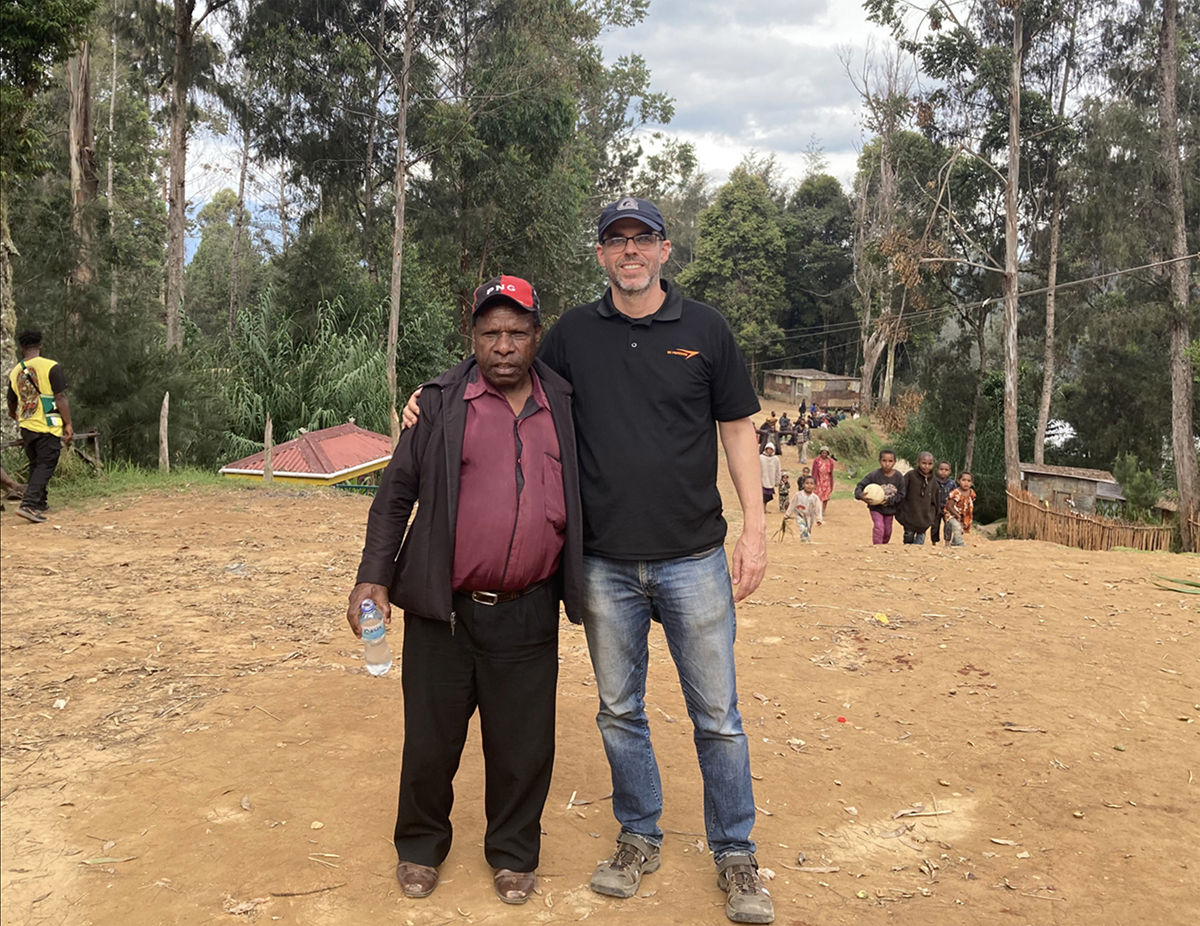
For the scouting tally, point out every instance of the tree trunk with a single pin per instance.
(464, 267)
(238, 221)
(177, 194)
(269, 451)
(1048, 361)
(82, 157)
(114, 274)
(369, 166)
(164, 451)
(872, 350)
(1183, 434)
(885, 398)
(283, 211)
(1012, 451)
(401, 182)
(973, 423)
(8, 309)
(1039, 441)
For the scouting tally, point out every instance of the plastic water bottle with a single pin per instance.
(374, 634)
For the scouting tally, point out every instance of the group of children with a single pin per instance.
(807, 504)
(921, 500)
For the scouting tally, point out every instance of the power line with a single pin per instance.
(841, 327)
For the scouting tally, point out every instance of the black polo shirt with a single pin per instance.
(647, 394)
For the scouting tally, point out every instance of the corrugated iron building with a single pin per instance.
(797, 387)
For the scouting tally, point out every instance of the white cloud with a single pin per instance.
(763, 75)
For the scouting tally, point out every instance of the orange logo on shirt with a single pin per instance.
(686, 354)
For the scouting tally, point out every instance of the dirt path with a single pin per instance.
(187, 726)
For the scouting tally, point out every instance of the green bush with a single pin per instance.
(852, 442)
(1140, 488)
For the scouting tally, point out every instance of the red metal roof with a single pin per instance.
(321, 453)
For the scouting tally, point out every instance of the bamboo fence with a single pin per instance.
(1032, 519)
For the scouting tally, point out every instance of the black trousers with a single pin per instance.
(502, 659)
(936, 536)
(43, 451)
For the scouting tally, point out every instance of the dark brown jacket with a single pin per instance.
(919, 510)
(425, 468)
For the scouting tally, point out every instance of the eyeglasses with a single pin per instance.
(641, 242)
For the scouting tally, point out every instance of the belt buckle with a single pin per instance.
(488, 598)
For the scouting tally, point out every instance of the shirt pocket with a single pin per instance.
(552, 491)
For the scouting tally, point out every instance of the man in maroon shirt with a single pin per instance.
(495, 545)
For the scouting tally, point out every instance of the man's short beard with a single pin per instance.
(633, 290)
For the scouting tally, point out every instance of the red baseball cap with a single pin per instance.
(509, 289)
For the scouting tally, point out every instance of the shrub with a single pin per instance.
(1140, 488)
(852, 442)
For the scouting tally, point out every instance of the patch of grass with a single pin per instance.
(853, 442)
(75, 482)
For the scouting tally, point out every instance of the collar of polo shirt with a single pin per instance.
(671, 309)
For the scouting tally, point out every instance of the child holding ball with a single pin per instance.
(886, 499)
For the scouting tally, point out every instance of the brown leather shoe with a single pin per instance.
(513, 886)
(417, 880)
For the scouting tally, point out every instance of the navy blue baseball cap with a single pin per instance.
(630, 207)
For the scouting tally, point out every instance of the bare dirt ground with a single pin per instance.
(187, 727)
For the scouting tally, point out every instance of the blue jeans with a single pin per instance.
(693, 598)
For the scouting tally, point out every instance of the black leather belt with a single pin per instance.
(491, 598)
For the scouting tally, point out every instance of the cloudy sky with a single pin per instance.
(756, 75)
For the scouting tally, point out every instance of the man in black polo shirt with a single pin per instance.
(656, 377)
(652, 372)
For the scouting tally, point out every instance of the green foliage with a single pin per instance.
(853, 442)
(208, 274)
(322, 265)
(322, 375)
(739, 263)
(35, 35)
(817, 227)
(1119, 399)
(1140, 488)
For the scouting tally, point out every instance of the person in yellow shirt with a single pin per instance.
(37, 401)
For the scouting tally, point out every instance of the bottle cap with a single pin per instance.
(367, 606)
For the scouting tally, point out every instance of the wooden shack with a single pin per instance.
(1070, 486)
(803, 387)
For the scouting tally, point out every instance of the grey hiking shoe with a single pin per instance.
(746, 900)
(620, 875)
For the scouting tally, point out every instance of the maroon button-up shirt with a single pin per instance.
(512, 516)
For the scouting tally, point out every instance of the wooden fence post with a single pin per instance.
(268, 451)
(164, 452)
